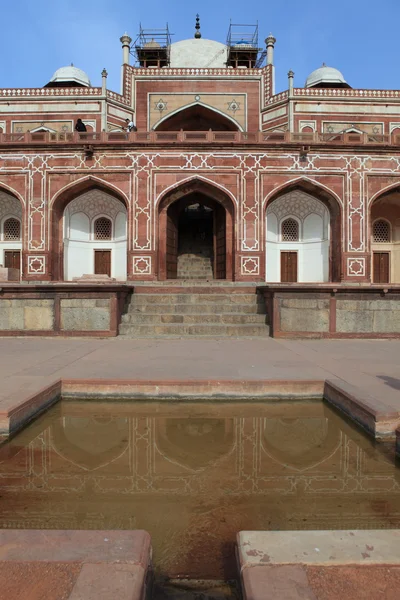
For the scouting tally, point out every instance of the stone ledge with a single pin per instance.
(283, 564)
(114, 564)
(377, 418)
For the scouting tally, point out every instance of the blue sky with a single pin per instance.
(358, 37)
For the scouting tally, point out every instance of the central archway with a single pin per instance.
(195, 236)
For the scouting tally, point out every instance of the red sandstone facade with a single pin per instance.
(338, 145)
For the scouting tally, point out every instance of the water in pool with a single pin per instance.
(194, 474)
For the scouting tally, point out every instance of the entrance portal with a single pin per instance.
(196, 234)
(196, 239)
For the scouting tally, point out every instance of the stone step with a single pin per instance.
(194, 298)
(204, 276)
(191, 270)
(193, 259)
(193, 319)
(196, 267)
(182, 330)
(204, 309)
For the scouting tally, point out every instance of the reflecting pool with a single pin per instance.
(194, 474)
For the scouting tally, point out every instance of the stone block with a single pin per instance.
(102, 303)
(16, 316)
(304, 319)
(4, 318)
(85, 319)
(301, 303)
(385, 321)
(38, 318)
(78, 303)
(353, 317)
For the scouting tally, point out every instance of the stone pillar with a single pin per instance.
(270, 42)
(104, 101)
(290, 105)
(126, 47)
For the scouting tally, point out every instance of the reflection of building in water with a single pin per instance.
(192, 481)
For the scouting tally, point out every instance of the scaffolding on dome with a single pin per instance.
(152, 47)
(242, 43)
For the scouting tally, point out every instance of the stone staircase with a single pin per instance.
(193, 266)
(194, 259)
(209, 311)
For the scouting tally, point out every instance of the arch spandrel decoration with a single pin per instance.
(96, 202)
(9, 206)
(298, 203)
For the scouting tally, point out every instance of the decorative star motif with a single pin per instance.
(233, 106)
(161, 105)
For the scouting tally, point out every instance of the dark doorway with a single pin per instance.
(12, 259)
(380, 267)
(196, 239)
(102, 262)
(195, 243)
(288, 267)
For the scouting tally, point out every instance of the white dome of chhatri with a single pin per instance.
(326, 77)
(70, 74)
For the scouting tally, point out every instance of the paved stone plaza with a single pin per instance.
(30, 364)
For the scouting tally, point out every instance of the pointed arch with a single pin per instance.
(171, 203)
(9, 190)
(197, 116)
(58, 204)
(196, 179)
(69, 191)
(334, 206)
(392, 187)
(308, 185)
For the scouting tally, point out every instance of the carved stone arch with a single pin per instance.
(170, 206)
(59, 203)
(197, 117)
(335, 209)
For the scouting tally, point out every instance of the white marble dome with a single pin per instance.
(198, 53)
(326, 77)
(69, 75)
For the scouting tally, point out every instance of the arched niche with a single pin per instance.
(11, 229)
(197, 118)
(318, 249)
(74, 244)
(385, 249)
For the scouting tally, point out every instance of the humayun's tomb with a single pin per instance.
(220, 182)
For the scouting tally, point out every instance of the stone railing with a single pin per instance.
(347, 93)
(49, 92)
(226, 138)
(196, 72)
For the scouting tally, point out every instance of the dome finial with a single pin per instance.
(197, 35)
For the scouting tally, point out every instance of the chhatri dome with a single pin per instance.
(326, 77)
(69, 77)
